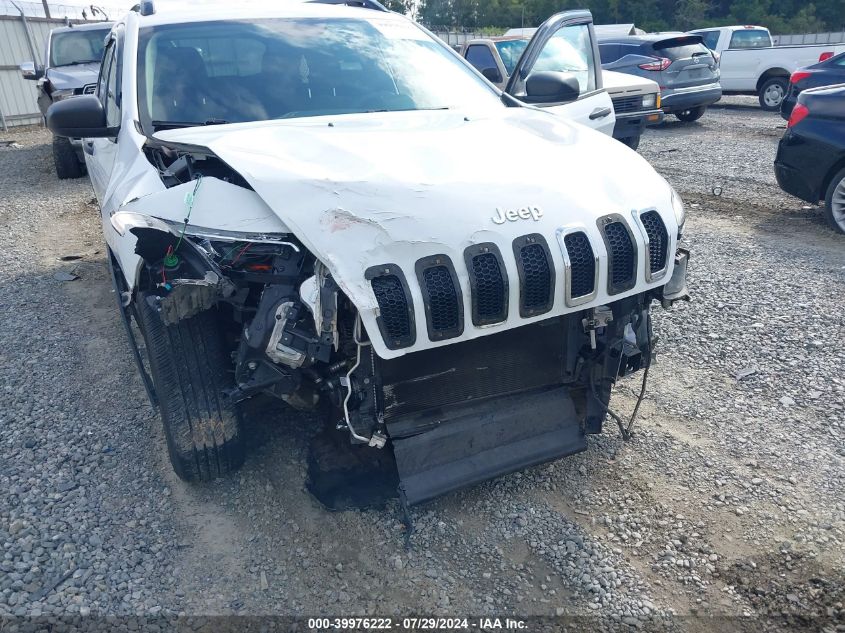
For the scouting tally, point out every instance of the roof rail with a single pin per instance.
(364, 4)
(145, 7)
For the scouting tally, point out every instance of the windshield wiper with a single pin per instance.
(173, 125)
(77, 63)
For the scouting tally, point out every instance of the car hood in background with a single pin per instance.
(390, 188)
(75, 76)
(621, 84)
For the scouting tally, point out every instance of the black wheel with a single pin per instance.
(190, 369)
(693, 114)
(772, 93)
(834, 202)
(631, 141)
(65, 159)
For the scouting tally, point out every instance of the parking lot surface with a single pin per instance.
(726, 511)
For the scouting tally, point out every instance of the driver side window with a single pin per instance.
(570, 50)
(108, 86)
(113, 92)
(108, 58)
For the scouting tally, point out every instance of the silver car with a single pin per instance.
(685, 69)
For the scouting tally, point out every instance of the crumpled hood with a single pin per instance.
(75, 76)
(391, 188)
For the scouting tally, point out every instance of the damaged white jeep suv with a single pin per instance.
(328, 205)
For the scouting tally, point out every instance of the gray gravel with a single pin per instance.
(728, 502)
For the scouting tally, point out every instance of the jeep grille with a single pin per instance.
(393, 305)
(442, 304)
(489, 297)
(582, 263)
(658, 241)
(622, 268)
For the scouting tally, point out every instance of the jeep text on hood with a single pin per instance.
(329, 243)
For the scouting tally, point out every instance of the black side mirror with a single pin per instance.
(492, 75)
(549, 86)
(79, 117)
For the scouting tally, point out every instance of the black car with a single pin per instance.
(810, 162)
(829, 72)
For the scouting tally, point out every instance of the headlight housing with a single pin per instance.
(680, 211)
(123, 221)
(650, 101)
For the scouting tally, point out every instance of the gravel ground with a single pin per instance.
(726, 511)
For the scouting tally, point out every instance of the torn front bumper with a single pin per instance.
(486, 441)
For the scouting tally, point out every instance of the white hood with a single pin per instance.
(391, 188)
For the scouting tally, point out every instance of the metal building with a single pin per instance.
(24, 29)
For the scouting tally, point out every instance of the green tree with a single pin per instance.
(781, 16)
(405, 7)
(691, 14)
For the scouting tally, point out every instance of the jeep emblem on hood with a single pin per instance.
(512, 215)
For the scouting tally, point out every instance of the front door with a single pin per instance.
(566, 43)
(100, 153)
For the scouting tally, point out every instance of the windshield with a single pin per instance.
(681, 48)
(510, 51)
(77, 47)
(233, 71)
(750, 38)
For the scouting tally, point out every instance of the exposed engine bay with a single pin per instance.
(455, 414)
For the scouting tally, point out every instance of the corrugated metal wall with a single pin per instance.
(18, 96)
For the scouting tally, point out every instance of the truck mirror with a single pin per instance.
(492, 75)
(31, 71)
(549, 86)
(80, 117)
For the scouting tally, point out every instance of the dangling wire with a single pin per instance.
(627, 431)
(243, 250)
(190, 198)
(170, 258)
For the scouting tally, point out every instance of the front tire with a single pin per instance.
(834, 202)
(65, 159)
(772, 93)
(693, 114)
(190, 368)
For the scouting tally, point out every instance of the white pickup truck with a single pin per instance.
(751, 64)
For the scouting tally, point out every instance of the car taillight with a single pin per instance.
(825, 55)
(799, 113)
(659, 63)
(798, 76)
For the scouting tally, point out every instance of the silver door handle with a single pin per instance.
(599, 113)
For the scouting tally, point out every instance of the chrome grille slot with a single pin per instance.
(658, 243)
(536, 275)
(621, 254)
(582, 265)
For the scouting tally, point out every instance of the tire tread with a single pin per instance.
(65, 159)
(828, 201)
(190, 369)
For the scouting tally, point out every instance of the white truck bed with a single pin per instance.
(750, 64)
